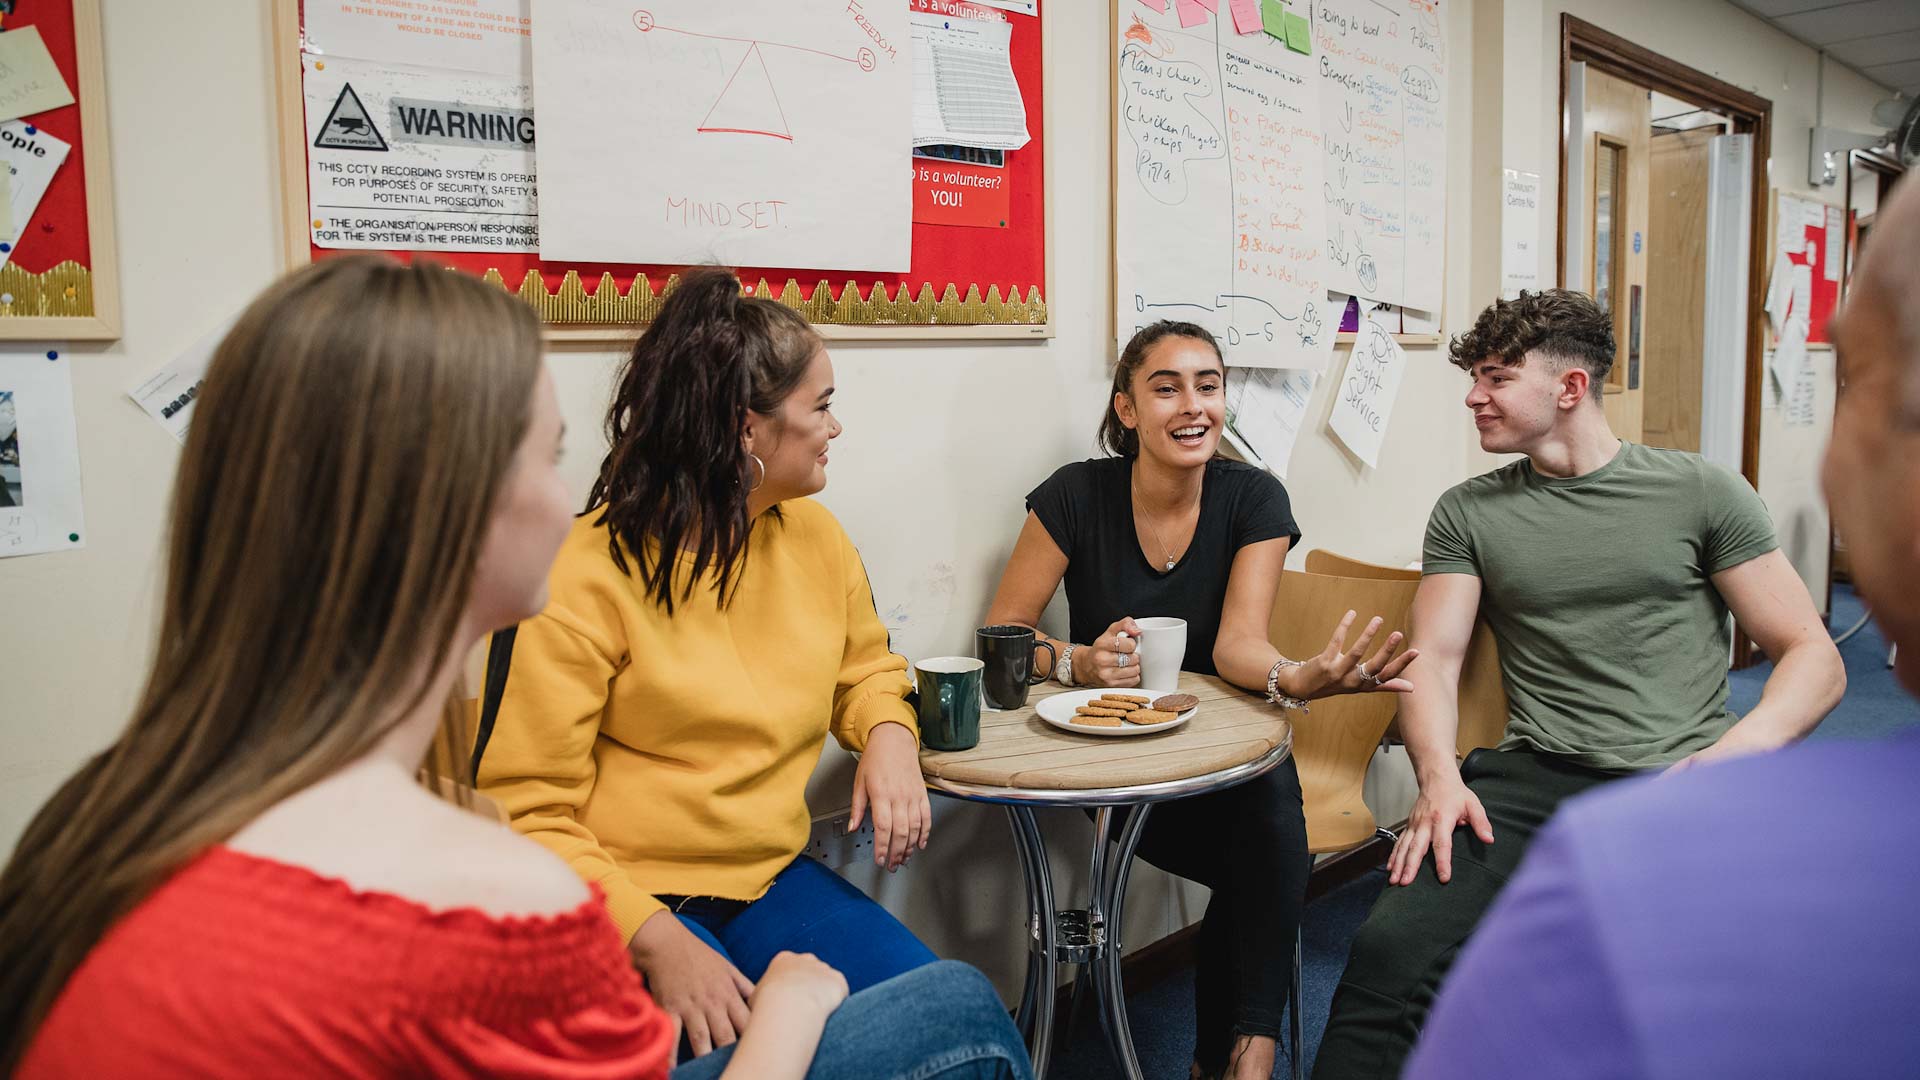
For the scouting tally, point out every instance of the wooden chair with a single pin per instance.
(1334, 742)
(1483, 696)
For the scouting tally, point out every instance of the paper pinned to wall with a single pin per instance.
(32, 156)
(29, 81)
(41, 509)
(1217, 158)
(1779, 286)
(1383, 77)
(1266, 408)
(1363, 399)
(1519, 233)
(168, 395)
(785, 130)
(1801, 392)
(1789, 354)
(416, 159)
(490, 36)
(1836, 239)
(964, 91)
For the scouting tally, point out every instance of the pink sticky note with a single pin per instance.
(1191, 13)
(1157, 5)
(1210, 5)
(1246, 16)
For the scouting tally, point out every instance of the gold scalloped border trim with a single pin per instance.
(62, 291)
(571, 304)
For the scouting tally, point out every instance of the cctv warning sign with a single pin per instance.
(454, 167)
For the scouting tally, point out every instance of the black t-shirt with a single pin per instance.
(1087, 507)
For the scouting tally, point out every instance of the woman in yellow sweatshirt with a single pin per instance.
(708, 625)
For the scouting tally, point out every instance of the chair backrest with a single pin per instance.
(1483, 696)
(1322, 561)
(1334, 742)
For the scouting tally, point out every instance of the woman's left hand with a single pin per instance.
(1339, 670)
(888, 783)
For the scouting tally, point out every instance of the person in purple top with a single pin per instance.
(1758, 917)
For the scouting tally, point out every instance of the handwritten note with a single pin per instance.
(1383, 99)
(1363, 401)
(29, 81)
(1246, 16)
(1218, 155)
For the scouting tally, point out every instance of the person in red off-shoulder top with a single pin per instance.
(252, 880)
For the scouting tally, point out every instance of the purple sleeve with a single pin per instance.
(1533, 993)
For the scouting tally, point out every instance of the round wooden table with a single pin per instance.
(1023, 762)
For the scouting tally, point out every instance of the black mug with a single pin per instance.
(1008, 654)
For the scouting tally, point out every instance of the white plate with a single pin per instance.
(1058, 711)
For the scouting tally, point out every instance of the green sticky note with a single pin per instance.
(1273, 18)
(1299, 34)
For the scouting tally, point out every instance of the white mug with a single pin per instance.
(1162, 649)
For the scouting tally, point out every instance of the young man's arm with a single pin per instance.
(1443, 614)
(1770, 602)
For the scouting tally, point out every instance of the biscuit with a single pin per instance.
(1123, 704)
(1176, 703)
(1149, 716)
(1084, 720)
(1097, 710)
(1135, 699)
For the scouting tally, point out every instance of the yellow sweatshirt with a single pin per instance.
(670, 755)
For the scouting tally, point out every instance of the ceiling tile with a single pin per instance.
(1881, 49)
(1767, 9)
(1848, 22)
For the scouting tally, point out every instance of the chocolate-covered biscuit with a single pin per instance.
(1176, 703)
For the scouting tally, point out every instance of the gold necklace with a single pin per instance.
(1151, 527)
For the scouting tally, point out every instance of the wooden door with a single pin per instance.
(1674, 338)
(1617, 123)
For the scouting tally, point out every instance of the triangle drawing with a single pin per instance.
(348, 127)
(748, 104)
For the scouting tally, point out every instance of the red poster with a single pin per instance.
(953, 193)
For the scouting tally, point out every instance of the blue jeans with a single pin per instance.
(941, 1021)
(808, 909)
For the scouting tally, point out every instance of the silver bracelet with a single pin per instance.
(1273, 686)
(1063, 671)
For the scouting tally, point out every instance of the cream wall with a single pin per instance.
(942, 442)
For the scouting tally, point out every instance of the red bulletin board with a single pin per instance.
(60, 279)
(1818, 244)
(964, 280)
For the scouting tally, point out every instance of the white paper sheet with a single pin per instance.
(1801, 393)
(750, 133)
(1266, 408)
(29, 80)
(1789, 354)
(1519, 233)
(168, 395)
(1364, 397)
(1779, 289)
(416, 159)
(490, 36)
(41, 508)
(1382, 90)
(964, 92)
(32, 156)
(1836, 241)
(1218, 220)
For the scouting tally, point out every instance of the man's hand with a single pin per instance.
(1445, 803)
(888, 782)
(698, 987)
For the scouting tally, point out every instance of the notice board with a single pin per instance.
(1809, 239)
(968, 276)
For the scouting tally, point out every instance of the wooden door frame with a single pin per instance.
(1750, 114)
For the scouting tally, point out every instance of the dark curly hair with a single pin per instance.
(676, 476)
(1564, 326)
(1115, 437)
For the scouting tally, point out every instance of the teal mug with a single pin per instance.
(949, 702)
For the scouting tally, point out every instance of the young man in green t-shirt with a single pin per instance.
(1606, 571)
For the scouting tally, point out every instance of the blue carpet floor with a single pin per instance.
(1162, 1015)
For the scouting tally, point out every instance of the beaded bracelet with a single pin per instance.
(1063, 671)
(1273, 686)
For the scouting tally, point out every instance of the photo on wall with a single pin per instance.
(10, 476)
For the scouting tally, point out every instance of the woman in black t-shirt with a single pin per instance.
(1164, 528)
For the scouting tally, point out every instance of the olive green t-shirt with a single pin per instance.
(1613, 640)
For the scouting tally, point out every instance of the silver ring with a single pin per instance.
(1120, 660)
(1367, 675)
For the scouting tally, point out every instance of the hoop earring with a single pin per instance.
(755, 486)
